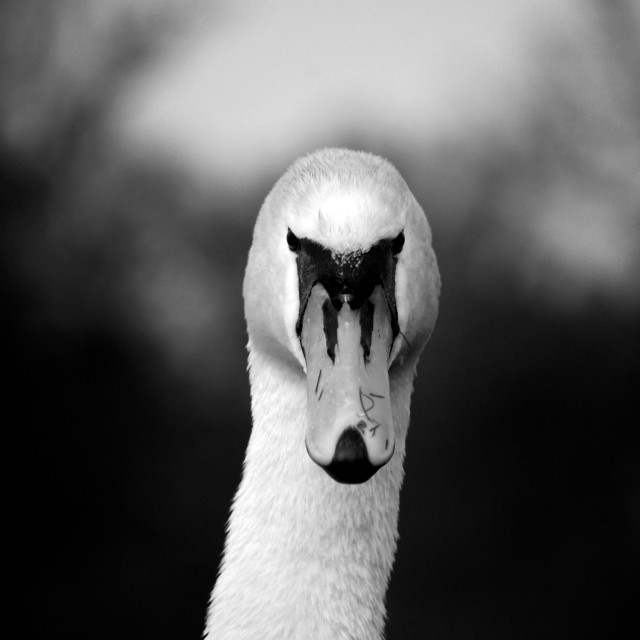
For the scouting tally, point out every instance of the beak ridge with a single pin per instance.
(349, 423)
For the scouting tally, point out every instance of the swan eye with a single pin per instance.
(293, 241)
(397, 243)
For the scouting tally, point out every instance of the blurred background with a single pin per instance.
(137, 142)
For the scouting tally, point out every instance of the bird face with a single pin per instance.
(342, 277)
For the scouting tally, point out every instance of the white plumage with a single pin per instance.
(307, 557)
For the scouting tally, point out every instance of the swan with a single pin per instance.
(341, 294)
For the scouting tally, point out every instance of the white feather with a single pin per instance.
(307, 557)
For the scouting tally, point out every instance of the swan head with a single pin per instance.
(342, 285)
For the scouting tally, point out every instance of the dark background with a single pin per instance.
(126, 381)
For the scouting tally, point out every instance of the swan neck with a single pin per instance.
(305, 556)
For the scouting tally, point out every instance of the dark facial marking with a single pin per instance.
(330, 324)
(293, 241)
(349, 276)
(397, 243)
(366, 328)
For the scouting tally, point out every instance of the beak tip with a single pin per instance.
(350, 463)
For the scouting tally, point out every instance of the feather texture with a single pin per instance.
(307, 557)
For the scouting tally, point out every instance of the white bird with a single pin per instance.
(341, 294)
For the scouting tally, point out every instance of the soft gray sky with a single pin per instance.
(247, 86)
(256, 83)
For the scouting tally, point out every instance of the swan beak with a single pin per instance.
(349, 423)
